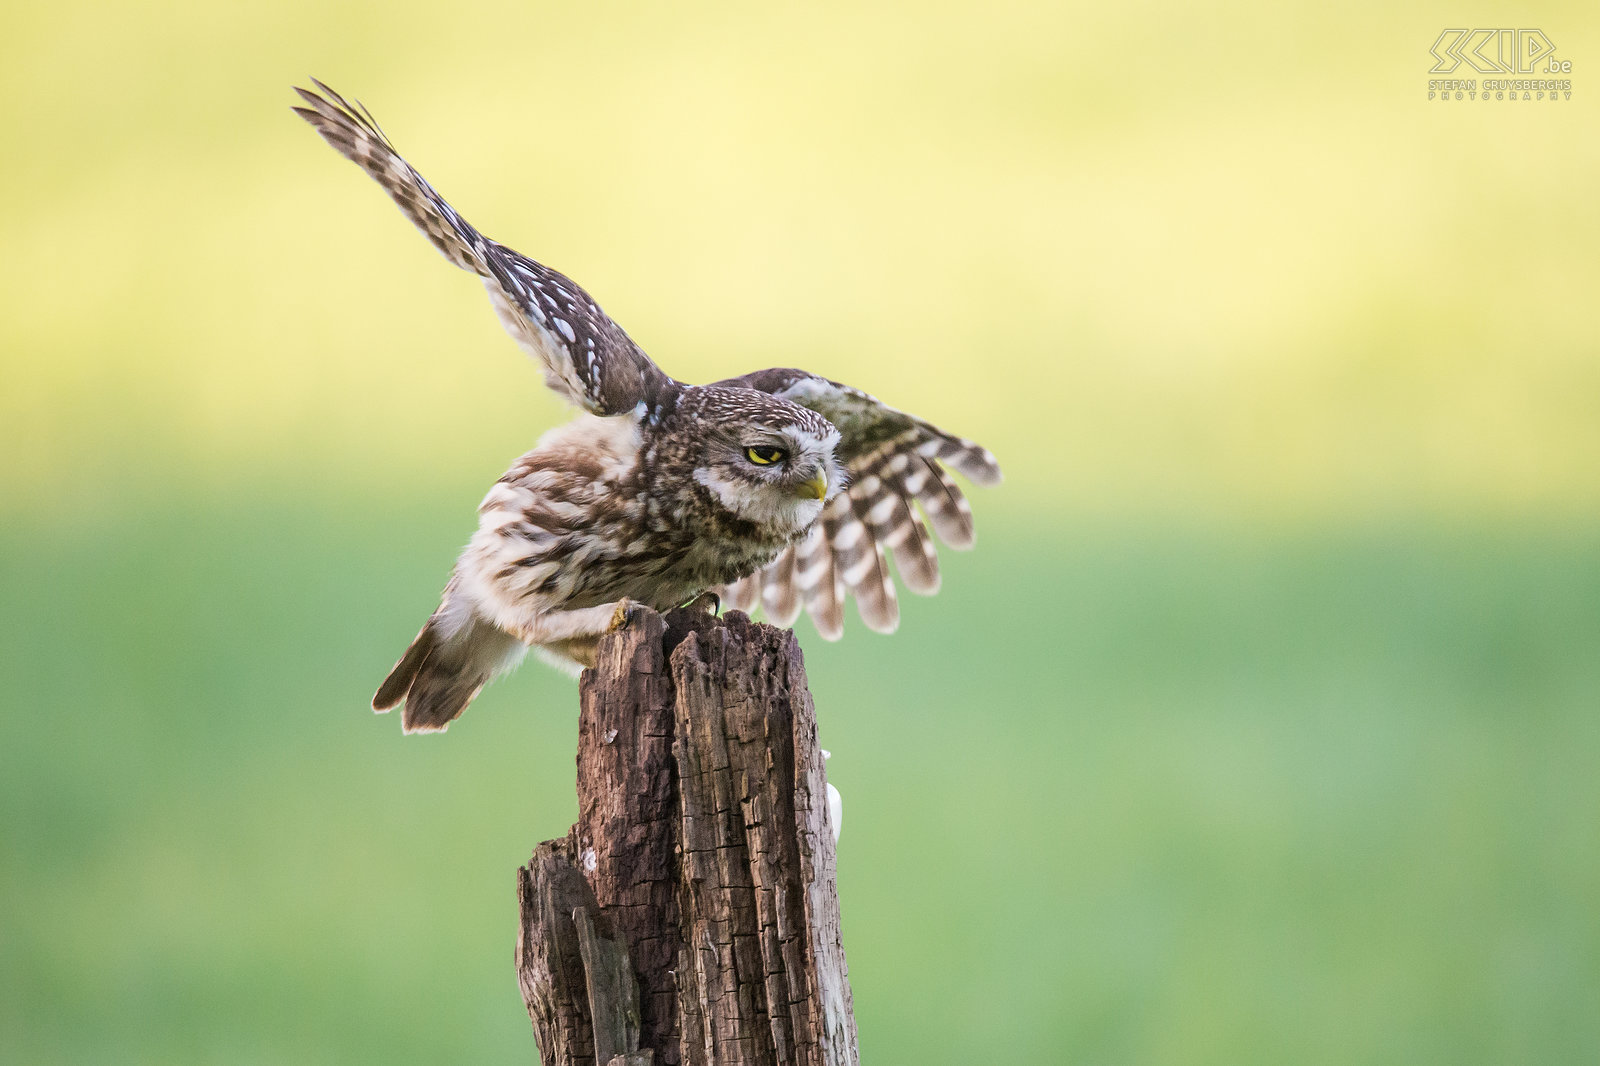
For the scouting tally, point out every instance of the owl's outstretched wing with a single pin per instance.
(586, 357)
(896, 462)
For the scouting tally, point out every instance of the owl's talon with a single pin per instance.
(707, 601)
(626, 612)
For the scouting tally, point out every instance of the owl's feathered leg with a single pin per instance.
(573, 654)
(571, 657)
(555, 627)
(568, 640)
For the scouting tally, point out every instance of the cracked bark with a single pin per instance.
(691, 916)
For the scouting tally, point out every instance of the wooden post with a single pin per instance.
(690, 916)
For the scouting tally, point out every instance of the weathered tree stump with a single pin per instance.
(691, 914)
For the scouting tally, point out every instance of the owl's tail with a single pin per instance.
(455, 655)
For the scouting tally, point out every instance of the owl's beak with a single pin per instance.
(815, 489)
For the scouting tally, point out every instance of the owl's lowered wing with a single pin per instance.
(586, 357)
(896, 463)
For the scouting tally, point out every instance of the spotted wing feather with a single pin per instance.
(743, 595)
(586, 357)
(779, 593)
(816, 580)
(896, 464)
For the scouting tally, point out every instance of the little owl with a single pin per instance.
(779, 487)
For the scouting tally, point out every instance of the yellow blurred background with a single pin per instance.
(1265, 705)
(1214, 258)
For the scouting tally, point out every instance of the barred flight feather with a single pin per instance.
(865, 571)
(744, 594)
(780, 597)
(586, 356)
(817, 578)
(355, 135)
(947, 509)
(898, 527)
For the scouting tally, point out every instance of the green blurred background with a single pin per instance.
(1260, 727)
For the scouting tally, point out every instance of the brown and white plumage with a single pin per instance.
(895, 462)
(586, 357)
(778, 488)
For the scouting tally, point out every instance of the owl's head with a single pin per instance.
(769, 461)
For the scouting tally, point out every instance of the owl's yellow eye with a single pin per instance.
(764, 455)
